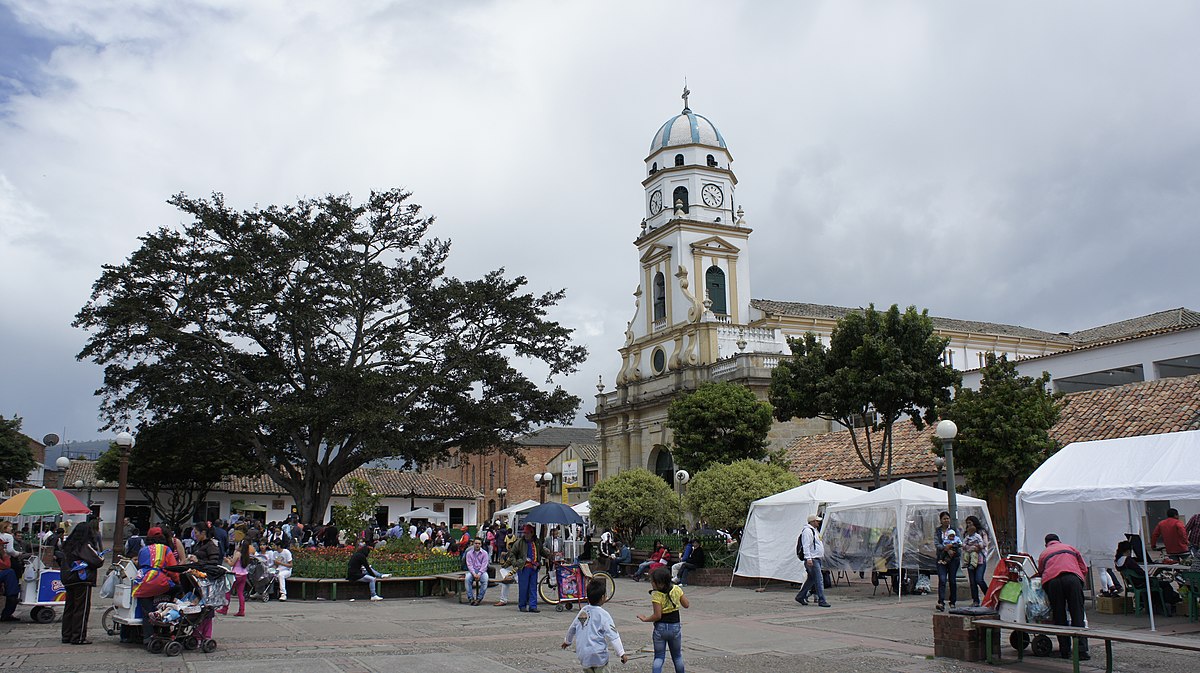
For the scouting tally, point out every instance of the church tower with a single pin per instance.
(692, 251)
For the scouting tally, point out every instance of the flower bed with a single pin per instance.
(332, 562)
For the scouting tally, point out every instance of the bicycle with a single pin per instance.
(548, 586)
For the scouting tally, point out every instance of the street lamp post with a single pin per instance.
(947, 431)
(90, 484)
(501, 493)
(124, 443)
(542, 480)
(940, 462)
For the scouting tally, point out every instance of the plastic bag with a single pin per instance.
(110, 586)
(1037, 606)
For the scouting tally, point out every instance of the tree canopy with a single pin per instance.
(16, 460)
(878, 367)
(632, 501)
(1003, 429)
(720, 422)
(323, 335)
(176, 463)
(721, 495)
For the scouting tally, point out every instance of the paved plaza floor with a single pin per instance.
(727, 630)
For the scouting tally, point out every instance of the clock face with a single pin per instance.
(712, 196)
(656, 202)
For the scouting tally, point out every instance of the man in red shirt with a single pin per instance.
(1063, 572)
(1173, 535)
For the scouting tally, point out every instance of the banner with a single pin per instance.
(570, 473)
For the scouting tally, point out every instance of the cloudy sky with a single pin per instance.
(1029, 163)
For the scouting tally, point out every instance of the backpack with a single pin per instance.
(800, 545)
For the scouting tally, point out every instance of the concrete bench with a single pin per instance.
(457, 582)
(1075, 633)
(327, 588)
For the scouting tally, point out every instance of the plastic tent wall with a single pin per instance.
(768, 546)
(861, 534)
(1092, 493)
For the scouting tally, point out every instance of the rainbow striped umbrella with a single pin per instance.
(43, 502)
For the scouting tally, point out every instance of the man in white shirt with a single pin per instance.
(412, 530)
(283, 568)
(813, 550)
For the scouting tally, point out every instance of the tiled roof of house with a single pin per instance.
(386, 482)
(788, 308)
(1148, 408)
(558, 436)
(1176, 317)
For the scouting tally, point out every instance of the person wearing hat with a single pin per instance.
(810, 548)
(527, 558)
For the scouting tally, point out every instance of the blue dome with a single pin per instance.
(687, 128)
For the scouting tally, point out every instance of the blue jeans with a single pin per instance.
(668, 636)
(472, 582)
(370, 580)
(978, 581)
(814, 583)
(948, 576)
(527, 579)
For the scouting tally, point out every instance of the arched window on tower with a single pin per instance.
(712, 161)
(660, 297)
(680, 195)
(714, 285)
(653, 168)
(678, 159)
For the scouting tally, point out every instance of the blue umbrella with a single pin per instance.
(552, 512)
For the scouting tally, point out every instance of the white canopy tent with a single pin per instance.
(768, 546)
(1092, 493)
(584, 509)
(512, 510)
(861, 534)
(423, 513)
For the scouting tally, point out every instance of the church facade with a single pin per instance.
(695, 319)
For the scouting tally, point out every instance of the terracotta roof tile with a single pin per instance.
(1148, 408)
(387, 482)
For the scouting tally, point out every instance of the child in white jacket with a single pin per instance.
(592, 630)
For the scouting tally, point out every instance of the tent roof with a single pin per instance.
(517, 508)
(814, 491)
(902, 492)
(584, 508)
(421, 513)
(1149, 467)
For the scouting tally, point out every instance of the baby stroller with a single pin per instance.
(260, 581)
(176, 625)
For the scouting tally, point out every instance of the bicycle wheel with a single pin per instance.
(547, 591)
(107, 623)
(610, 586)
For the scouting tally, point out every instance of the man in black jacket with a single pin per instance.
(360, 570)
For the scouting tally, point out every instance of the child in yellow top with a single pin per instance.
(666, 598)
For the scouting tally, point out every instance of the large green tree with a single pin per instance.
(323, 335)
(878, 368)
(1003, 430)
(632, 501)
(177, 462)
(719, 422)
(16, 460)
(721, 495)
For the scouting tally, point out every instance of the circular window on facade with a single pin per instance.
(658, 360)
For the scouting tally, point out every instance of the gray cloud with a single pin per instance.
(1027, 163)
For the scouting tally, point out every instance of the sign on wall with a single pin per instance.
(570, 473)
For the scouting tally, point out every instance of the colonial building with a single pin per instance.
(261, 498)
(694, 318)
(499, 477)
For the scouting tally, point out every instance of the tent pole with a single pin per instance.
(1146, 572)
(899, 547)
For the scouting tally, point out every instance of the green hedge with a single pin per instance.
(326, 565)
(718, 555)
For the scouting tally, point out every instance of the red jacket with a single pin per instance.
(1173, 535)
(1061, 558)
